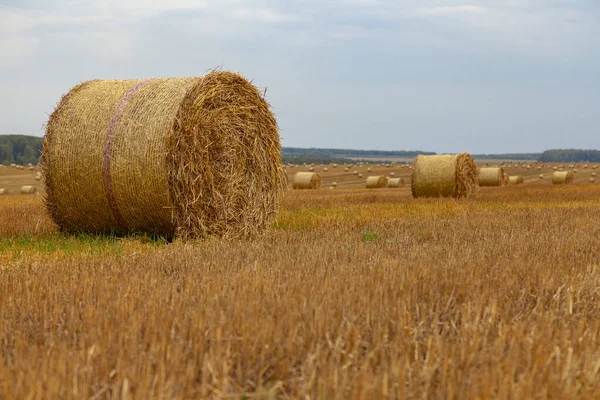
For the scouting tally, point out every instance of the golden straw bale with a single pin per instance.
(334, 184)
(3, 191)
(395, 183)
(444, 176)
(360, 175)
(376, 182)
(562, 177)
(492, 177)
(311, 169)
(369, 170)
(307, 180)
(593, 174)
(28, 189)
(516, 180)
(592, 180)
(355, 172)
(541, 176)
(184, 157)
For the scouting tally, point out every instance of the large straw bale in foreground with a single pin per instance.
(516, 180)
(492, 177)
(562, 177)
(189, 157)
(444, 176)
(376, 182)
(307, 180)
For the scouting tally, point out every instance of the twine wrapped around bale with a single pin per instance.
(492, 177)
(444, 176)
(395, 183)
(307, 180)
(562, 177)
(516, 180)
(188, 157)
(376, 182)
(28, 189)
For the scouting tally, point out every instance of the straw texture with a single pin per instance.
(376, 182)
(444, 176)
(562, 177)
(492, 177)
(307, 180)
(189, 157)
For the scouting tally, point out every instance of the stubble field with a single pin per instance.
(353, 293)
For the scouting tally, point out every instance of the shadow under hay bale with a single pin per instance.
(189, 157)
(444, 176)
(307, 180)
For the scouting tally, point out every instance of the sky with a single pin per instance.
(483, 76)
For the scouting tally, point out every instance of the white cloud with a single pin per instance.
(247, 14)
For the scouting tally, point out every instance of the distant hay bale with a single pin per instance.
(3, 191)
(311, 169)
(392, 174)
(360, 175)
(346, 169)
(183, 157)
(355, 172)
(492, 177)
(369, 170)
(595, 167)
(516, 180)
(444, 176)
(307, 180)
(325, 169)
(593, 174)
(334, 184)
(28, 189)
(592, 180)
(555, 168)
(541, 176)
(376, 182)
(395, 183)
(562, 177)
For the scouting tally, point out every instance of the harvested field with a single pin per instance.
(352, 293)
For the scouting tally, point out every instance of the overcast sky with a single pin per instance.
(483, 76)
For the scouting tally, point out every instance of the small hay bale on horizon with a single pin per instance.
(395, 183)
(492, 177)
(562, 178)
(307, 180)
(3, 191)
(444, 176)
(376, 182)
(28, 189)
(516, 180)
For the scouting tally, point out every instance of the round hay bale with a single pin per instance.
(184, 157)
(376, 182)
(334, 184)
(3, 191)
(369, 170)
(346, 170)
(325, 169)
(562, 177)
(540, 176)
(28, 189)
(355, 172)
(516, 180)
(392, 174)
(307, 180)
(492, 177)
(444, 176)
(593, 174)
(555, 168)
(575, 171)
(395, 183)
(592, 180)
(595, 167)
(311, 169)
(360, 175)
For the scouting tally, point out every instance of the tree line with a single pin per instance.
(570, 155)
(20, 149)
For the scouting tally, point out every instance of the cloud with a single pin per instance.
(247, 14)
(456, 10)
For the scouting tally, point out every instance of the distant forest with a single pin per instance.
(20, 149)
(570, 155)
